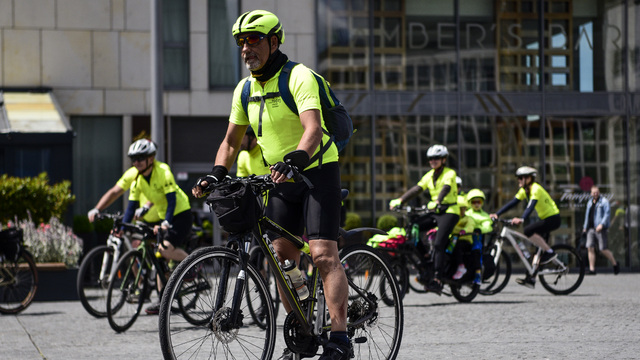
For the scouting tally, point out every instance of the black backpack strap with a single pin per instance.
(261, 100)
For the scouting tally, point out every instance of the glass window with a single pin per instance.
(224, 59)
(175, 23)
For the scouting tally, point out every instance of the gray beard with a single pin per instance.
(252, 65)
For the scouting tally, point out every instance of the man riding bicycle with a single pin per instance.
(156, 183)
(443, 196)
(296, 206)
(538, 199)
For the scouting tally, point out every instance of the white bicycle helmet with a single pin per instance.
(458, 181)
(142, 147)
(526, 171)
(437, 151)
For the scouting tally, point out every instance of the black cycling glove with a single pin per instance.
(217, 173)
(294, 162)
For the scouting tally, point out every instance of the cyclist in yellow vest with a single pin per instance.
(537, 199)
(442, 192)
(484, 225)
(250, 159)
(295, 206)
(156, 182)
(146, 212)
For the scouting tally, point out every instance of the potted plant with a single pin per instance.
(57, 251)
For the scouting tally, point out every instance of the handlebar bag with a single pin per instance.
(235, 205)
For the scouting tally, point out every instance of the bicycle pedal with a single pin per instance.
(360, 340)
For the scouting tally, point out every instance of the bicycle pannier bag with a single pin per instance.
(235, 206)
(10, 240)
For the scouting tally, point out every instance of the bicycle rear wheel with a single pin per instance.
(217, 334)
(375, 327)
(563, 275)
(495, 283)
(18, 283)
(413, 272)
(93, 280)
(402, 278)
(127, 291)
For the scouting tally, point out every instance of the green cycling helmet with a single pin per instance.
(260, 21)
(475, 193)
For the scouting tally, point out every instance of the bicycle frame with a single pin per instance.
(116, 244)
(243, 242)
(533, 266)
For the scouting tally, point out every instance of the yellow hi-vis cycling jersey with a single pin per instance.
(448, 177)
(160, 184)
(545, 206)
(277, 128)
(125, 183)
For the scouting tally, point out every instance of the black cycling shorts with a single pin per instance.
(180, 228)
(544, 226)
(295, 207)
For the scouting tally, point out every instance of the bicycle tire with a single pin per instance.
(500, 278)
(125, 297)
(464, 292)
(380, 336)
(402, 278)
(257, 259)
(92, 291)
(18, 283)
(216, 337)
(413, 271)
(566, 282)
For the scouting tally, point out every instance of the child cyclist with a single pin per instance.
(461, 239)
(484, 225)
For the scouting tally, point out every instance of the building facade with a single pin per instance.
(552, 84)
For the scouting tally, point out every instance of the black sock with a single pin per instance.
(339, 337)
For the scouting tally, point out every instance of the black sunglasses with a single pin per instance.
(251, 40)
(138, 158)
(521, 177)
(434, 158)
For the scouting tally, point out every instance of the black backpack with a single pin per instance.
(336, 118)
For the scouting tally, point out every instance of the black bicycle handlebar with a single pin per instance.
(258, 182)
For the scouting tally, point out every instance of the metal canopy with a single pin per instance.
(31, 112)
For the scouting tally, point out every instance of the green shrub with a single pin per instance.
(386, 222)
(103, 226)
(82, 225)
(34, 195)
(352, 221)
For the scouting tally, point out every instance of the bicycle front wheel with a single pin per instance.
(18, 283)
(374, 326)
(127, 291)
(211, 329)
(563, 275)
(495, 282)
(93, 280)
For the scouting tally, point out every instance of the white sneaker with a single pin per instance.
(460, 272)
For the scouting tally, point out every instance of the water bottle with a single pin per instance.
(415, 233)
(296, 279)
(524, 249)
(452, 244)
